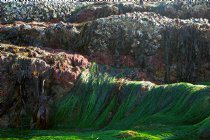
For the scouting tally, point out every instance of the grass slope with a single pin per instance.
(101, 106)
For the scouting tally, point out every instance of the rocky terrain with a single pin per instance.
(34, 76)
(38, 11)
(55, 11)
(163, 50)
(93, 67)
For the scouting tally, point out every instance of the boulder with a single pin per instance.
(29, 77)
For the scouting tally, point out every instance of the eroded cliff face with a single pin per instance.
(186, 54)
(43, 64)
(57, 36)
(167, 50)
(30, 79)
(177, 9)
(161, 49)
(67, 11)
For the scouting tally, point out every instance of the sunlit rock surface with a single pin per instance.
(33, 76)
(68, 11)
(163, 49)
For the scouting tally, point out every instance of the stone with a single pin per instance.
(28, 67)
(107, 40)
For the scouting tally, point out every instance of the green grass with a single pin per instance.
(93, 135)
(204, 83)
(101, 107)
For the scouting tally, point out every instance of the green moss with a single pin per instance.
(204, 83)
(102, 107)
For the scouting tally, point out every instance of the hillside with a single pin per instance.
(105, 70)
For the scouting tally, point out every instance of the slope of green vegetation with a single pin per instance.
(91, 135)
(101, 106)
(204, 83)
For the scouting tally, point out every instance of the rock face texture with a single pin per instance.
(60, 35)
(31, 78)
(181, 9)
(168, 49)
(55, 11)
(51, 11)
(164, 50)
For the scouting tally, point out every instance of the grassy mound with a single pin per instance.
(101, 106)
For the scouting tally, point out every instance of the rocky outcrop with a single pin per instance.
(166, 50)
(67, 11)
(163, 49)
(181, 9)
(51, 11)
(31, 78)
(60, 35)
(103, 9)
(178, 9)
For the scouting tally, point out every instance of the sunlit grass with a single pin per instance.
(101, 106)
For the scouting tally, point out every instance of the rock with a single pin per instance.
(85, 15)
(142, 39)
(123, 40)
(34, 76)
(4, 121)
(25, 27)
(181, 9)
(37, 10)
(81, 11)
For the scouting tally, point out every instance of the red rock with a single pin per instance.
(140, 75)
(85, 15)
(64, 67)
(54, 20)
(127, 61)
(102, 59)
(156, 61)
